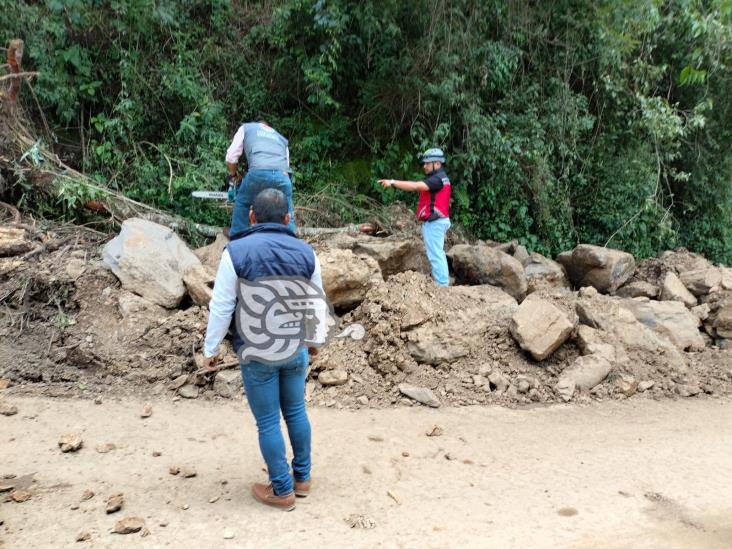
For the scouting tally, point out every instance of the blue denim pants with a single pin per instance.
(433, 233)
(255, 182)
(271, 389)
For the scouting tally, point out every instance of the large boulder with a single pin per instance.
(619, 326)
(669, 319)
(347, 277)
(540, 327)
(150, 260)
(702, 281)
(436, 338)
(673, 289)
(603, 268)
(394, 255)
(481, 264)
(13, 241)
(543, 273)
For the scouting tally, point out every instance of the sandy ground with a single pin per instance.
(613, 475)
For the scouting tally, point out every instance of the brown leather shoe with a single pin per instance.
(302, 488)
(264, 493)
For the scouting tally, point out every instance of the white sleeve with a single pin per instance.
(233, 153)
(222, 305)
(316, 277)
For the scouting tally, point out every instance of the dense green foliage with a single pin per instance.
(564, 121)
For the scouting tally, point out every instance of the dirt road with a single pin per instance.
(633, 474)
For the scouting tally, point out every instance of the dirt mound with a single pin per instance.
(68, 328)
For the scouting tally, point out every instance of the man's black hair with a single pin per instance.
(270, 206)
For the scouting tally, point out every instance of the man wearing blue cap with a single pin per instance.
(433, 209)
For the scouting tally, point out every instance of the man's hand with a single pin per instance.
(386, 182)
(209, 363)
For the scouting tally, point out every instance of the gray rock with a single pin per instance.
(499, 383)
(625, 384)
(643, 386)
(347, 278)
(228, 383)
(70, 443)
(482, 264)
(394, 255)
(701, 281)
(333, 377)
(188, 391)
(521, 254)
(638, 288)
(672, 289)
(543, 273)
(687, 390)
(420, 394)
(602, 268)
(540, 327)
(8, 409)
(584, 373)
(669, 319)
(150, 260)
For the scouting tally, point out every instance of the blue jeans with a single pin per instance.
(271, 389)
(433, 233)
(255, 182)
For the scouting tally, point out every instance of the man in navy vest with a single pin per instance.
(268, 167)
(268, 249)
(433, 209)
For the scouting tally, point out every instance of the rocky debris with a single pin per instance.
(174, 470)
(701, 311)
(543, 273)
(87, 495)
(83, 536)
(70, 443)
(674, 290)
(199, 281)
(20, 496)
(8, 409)
(147, 411)
(586, 372)
(13, 241)
(669, 319)
(394, 255)
(105, 448)
(347, 278)
(539, 327)
(481, 264)
(719, 322)
(114, 503)
(644, 386)
(150, 260)
(521, 254)
(210, 255)
(188, 391)
(228, 534)
(605, 269)
(4, 487)
(128, 525)
(333, 377)
(228, 383)
(422, 395)
(360, 521)
(187, 472)
(687, 390)
(638, 288)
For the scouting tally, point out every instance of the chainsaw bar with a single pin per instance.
(211, 195)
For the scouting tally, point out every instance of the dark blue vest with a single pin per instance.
(269, 249)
